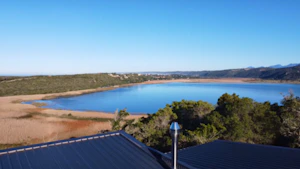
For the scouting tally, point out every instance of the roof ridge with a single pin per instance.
(186, 148)
(234, 142)
(56, 143)
(148, 149)
(260, 145)
(182, 163)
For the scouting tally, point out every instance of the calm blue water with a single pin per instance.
(149, 98)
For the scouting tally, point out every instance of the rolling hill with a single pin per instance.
(287, 73)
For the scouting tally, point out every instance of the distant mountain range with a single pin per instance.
(276, 66)
(288, 72)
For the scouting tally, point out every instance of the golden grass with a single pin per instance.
(18, 101)
(63, 116)
(7, 146)
(39, 104)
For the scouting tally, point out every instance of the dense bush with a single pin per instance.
(55, 84)
(233, 118)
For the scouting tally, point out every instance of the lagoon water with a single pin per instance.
(149, 98)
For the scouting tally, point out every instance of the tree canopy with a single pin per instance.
(234, 118)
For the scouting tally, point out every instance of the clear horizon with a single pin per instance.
(63, 37)
(125, 72)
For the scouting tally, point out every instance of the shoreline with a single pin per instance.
(32, 124)
(50, 96)
(18, 99)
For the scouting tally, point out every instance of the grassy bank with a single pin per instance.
(64, 116)
(6, 146)
(8, 78)
(64, 83)
(273, 81)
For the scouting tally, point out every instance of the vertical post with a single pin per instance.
(174, 131)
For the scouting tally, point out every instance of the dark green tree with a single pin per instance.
(236, 117)
(266, 124)
(119, 119)
(290, 115)
(191, 113)
(154, 129)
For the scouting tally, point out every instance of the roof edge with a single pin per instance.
(58, 142)
(132, 139)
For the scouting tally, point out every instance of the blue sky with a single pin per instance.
(65, 37)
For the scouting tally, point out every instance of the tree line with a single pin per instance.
(233, 118)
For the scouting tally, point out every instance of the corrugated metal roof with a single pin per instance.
(113, 150)
(165, 159)
(120, 150)
(232, 155)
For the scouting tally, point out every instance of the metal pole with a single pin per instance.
(174, 131)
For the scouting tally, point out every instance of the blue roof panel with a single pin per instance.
(232, 155)
(113, 151)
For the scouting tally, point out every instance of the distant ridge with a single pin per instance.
(286, 73)
(278, 66)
